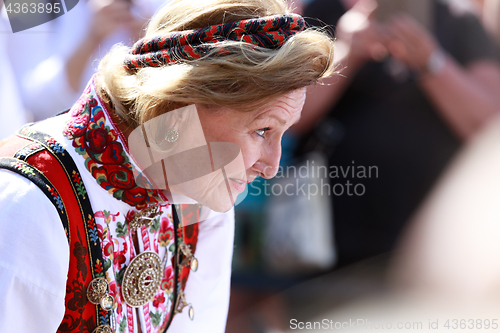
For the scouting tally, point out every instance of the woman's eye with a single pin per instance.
(262, 131)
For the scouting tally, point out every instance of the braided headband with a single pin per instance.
(268, 32)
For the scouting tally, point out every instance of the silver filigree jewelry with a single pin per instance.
(107, 302)
(144, 217)
(98, 293)
(189, 259)
(171, 135)
(182, 303)
(103, 329)
(142, 279)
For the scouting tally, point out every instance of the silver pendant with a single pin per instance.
(194, 264)
(191, 312)
(107, 302)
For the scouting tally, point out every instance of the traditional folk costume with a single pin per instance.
(69, 180)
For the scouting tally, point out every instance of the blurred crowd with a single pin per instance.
(52, 63)
(417, 80)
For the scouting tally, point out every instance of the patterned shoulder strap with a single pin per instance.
(41, 159)
(38, 178)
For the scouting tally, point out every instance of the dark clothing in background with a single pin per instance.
(393, 126)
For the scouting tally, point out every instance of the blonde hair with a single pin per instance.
(245, 79)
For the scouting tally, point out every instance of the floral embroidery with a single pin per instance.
(105, 157)
(98, 268)
(116, 246)
(56, 147)
(28, 150)
(79, 184)
(94, 236)
(103, 315)
(24, 168)
(56, 196)
(155, 318)
(28, 130)
(167, 283)
(159, 299)
(166, 232)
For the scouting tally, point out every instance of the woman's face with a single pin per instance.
(257, 133)
(218, 150)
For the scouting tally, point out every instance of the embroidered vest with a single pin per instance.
(41, 159)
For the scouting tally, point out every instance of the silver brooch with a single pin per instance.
(142, 279)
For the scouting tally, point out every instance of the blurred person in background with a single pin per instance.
(451, 248)
(491, 17)
(406, 101)
(11, 111)
(68, 50)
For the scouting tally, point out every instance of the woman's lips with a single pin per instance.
(238, 184)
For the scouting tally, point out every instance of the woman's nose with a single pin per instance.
(268, 165)
(270, 171)
(264, 170)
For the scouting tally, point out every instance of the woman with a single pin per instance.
(238, 80)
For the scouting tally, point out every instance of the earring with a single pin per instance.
(171, 135)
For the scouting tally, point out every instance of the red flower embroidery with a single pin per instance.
(91, 223)
(114, 176)
(107, 218)
(50, 141)
(119, 259)
(53, 191)
(168, 280)
(119, 308)
(98, 268)
(135, 196)
(97, 140)
(119, 256)
(104, 155)
(112, 288)
(108, 249)
(159, 299)
(76, 177)
(166, 232)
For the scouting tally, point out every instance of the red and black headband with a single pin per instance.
(268, 32)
